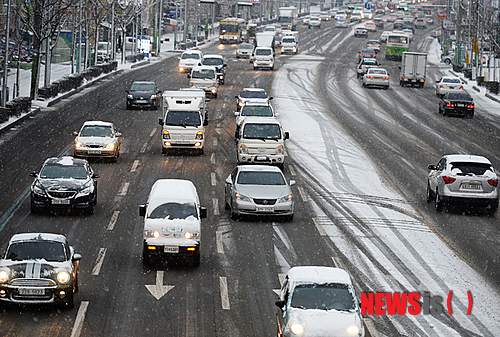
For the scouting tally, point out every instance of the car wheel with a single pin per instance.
(357, 75)
(75, 284)
(90, 209)
(164, 151)
(68, 303)
(386, 87)
(438, 203)
(447, 61)
(234, 215)
(469, 115)
(364, 85)
(33, 209)
(196, 261)
(492, 210)
(145, 258)
(128, 107)
(288, 218)
(428, 193)
(95, 198)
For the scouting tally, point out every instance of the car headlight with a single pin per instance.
(353, 330)
(38, 190)
(4, 276)
(297, 329)
(63, 277)
(84, 191)
(243, 149)
(110, 146)
(199, 135)
(242, 197)
(151, 234)
(130, 96)
(153, 97)
(78, 145)
(181, 69)
(282, 49)
(286, 198)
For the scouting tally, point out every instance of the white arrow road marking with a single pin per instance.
(158, 289)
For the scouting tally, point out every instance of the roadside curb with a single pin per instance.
(493, 98)
(17, 121)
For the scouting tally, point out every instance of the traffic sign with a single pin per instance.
(391, 5)
(368, 5)
(380, 4)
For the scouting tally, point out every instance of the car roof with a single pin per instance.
(65, 161)
(261, 120)
(254, 89)
(258, 168)
(451, 77)
(204, 68)
(192, 51)
(37, 236)
(319, 275)
(144, 82)
(257, 102)
(467, 158)
(172, 190)
(100, 123)
(213, 56)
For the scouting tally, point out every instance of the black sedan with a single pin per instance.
(457, 103)
(39, 268)
(143, 95)
(64, 183)
(367, 53)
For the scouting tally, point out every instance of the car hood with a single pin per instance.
(141, 94)
(34, 269)
(189, 62)
(172, 231)
(62, 184)
(264, 191)
(95, 140)
(323, 323)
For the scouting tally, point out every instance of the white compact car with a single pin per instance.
(263, 57)
(449, 84)
(376, 77)
(188, 60)
(468, 180)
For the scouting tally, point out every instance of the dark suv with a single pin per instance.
(143, 94)
(64, 183)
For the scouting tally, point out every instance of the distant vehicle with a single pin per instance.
(465, 180)
(365, 64)
(360, 32)
(448, 58)
(315, 22)
(263, 57)
(97, 139)
(255, 108)
(341, 23)
(397, 43)
(231, 30)
(457, 103)
(384, 35)
(449, 84)
(408, 32)
(413, 69)
(324, 16)
(379, 22)
(341, 15)
(373, 44)
(289, 45)
(39, 268)
(436, 33)
(188, 60)
(392, 17)
(251, 94)
(103, 51)
(371, 27)
(398, 24)
(305, 20)
(216, 61)
(367, 14)
(367, 53)
(288, 17)
(429, 19)
(206, 78)
(143, 94)
(259, 190)
(313, 300)
(376, 77)
(244, 50)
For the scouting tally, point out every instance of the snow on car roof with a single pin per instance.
(313, 274)
(172, 190)
(213, 56)
(253, 89)
(467, 158)
(98, 123)
(38, 236)
(66, 160)
(254, 168)
(262, 120)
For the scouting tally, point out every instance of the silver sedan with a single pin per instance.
(258, 190)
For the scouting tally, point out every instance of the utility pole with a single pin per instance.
(6, 56)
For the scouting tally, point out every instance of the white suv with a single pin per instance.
(263, 57)
(189, 59)
(205, 77)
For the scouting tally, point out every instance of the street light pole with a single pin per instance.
(6, 56)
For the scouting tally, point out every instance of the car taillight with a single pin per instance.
(359, 66)
(470, 106)
(441, 87)
(369, 76)
(422, 80)
(361, 55)
(450, 105)
(385, 77)
(462, 88)
(493, 182)
(449, 180)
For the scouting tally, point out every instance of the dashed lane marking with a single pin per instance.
(303, 194)
(144, 147)
(224, 294)
(99, 261)
(112, 222)
(213, 178)
(336, 262)
(292, 170)
(218, 240)
(124, 189)
(212, 158)
(215, 203)
(152, 133)
(134, 166)
(80, 316)
(318, 226)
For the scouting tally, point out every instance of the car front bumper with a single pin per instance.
(164, 252)
(50, 295)
(150, 103)
(251, 208)
(90, 152)
(45, 202)
(273, 159)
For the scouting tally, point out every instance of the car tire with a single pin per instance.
(492, 210)
(438, 203)
(196, 260)
(288, 218)
(33, 208)
(146, 260)
(128, 107)
(469, 115)
(68, 303)
(364, 85)
(386, 87)
(428, 193)
(234, 215)
(447, 61)
(90, 209)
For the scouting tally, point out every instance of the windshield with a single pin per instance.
(245, 46)
(262, 131)
(261, 178)
(263, 52)
(63, 172)
(464, 168)
(377, 71)
(289, 40)
(459, 96)
(102, 46)
(203, 73)
(96, 131)
(253, 94)
(370, 62)
(229, 27)
(173, 210)
(183, 118)
(260, 111)
(194, 56)
(334, 296)
(36, 250)
(397, 39)
(269, 29)
(451, 80)
(148, 87)
(215, 61)
(285, 19)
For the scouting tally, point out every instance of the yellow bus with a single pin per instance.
(230, 30)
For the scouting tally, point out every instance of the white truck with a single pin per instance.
(413, 69)
(185, 117)
(288, 17)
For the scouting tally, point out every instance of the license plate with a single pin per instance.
(94, 151)
(61, 201)
(261, 158)
(171, 249)
(31, 291)
(467, 186)
(139, 101)
(264, 209)
(452, 87)
(377, 78)
(460, 105)
(182, 141)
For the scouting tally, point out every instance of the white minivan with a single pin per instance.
(261, 140)
(172, 222)
(205, 77)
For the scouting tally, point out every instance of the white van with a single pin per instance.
(172, 222)
(185, 117)
(263, 57)
(261, 140)
(188, 60)
(205, 77)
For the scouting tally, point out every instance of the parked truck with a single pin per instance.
(413, 69)
(288, 17)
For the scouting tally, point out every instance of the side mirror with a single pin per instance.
(270, 98)
(160, 121)
(236, 96)
(236, 113)
(77, 257)
(188, 75)
(142, 210)
(96, 175)
(431, 167)
(225, 65)
(203, 212)
(118, 134)
(287, 135)
(33, 174)
(292, 182)
(75, 133)
(280, 304)
(205, 122)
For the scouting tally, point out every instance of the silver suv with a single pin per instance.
(463, 179)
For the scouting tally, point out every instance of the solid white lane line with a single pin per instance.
(336, 262)
(80, 316)
(215, 202)
(292, 170)
(395, 283)
(224, 294)
(144, 147)
(303, 194)
(218, 240)
(112, 222)
(124, 189)
(152, 133)
(134, 165)
(99, 261)
(214, 178)
(212, 158)
(318, 226)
